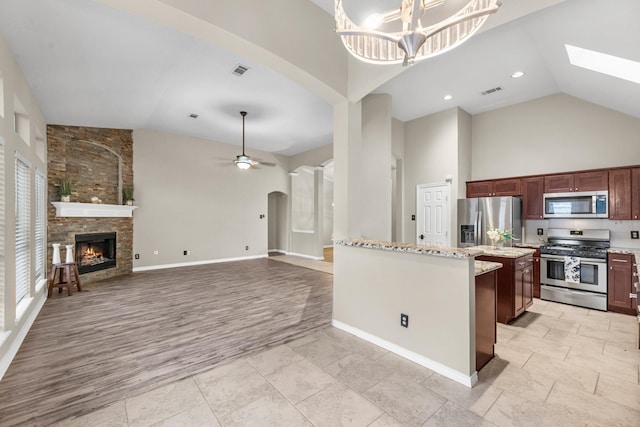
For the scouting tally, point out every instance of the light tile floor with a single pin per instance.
(556, 365)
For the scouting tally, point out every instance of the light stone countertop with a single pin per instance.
(474, 251)
(506, 252)
(529, 245)
(482, 267)
(412, 248)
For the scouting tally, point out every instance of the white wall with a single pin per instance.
(555, 133)
(30, 145)
(192, 197)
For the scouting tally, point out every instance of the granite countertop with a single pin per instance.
(412, 248)
(529, 245)
(506, 252)
(482, 267)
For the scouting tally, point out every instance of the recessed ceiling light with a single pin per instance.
(614, 66)
(193, 115)
(517, 74)
(447, 97)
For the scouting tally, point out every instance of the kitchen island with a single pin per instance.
(377, 282)
(515, 280)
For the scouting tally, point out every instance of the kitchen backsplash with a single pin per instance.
(620, 230)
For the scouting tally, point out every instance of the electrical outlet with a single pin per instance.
(137, 256)
(413, 217)
(404, 320)
(185, 253)
(262, 216)
(635, 234)
(246, 248)
(540, 231)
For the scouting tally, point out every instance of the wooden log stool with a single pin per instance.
(67, 277)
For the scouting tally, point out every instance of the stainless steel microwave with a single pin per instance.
(586, 204)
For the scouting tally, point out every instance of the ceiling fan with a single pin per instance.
(243, 161)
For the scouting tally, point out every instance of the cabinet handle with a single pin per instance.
(620, 260)
(576, 189)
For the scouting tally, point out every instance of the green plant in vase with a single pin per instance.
(127, 195)
(65, 189)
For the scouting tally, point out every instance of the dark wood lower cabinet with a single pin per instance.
(485, 317)
(536, 274)
(620, 284)
(515, 286)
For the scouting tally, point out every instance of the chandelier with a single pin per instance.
(398, 35)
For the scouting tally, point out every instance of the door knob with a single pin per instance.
(422, 237)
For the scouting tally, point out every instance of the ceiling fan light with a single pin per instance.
(243, 162)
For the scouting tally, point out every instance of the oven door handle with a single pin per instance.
(582, 260)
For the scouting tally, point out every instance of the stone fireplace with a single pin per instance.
(98, 162)
(95, 251)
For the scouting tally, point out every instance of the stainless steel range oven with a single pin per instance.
(583, 251)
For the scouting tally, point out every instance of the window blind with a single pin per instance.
(40, 226)
(23, 213)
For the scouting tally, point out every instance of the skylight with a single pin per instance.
(603, 63)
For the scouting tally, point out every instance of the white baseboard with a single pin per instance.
(327, 246)
(192, 263)
(315, 258)
(14, 346)
(280, 251)
(438, 367)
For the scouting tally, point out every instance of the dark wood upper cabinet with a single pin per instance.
(507, 187)
(635, 193)
(494, 188)
(479, 189)
(620, 194)
(532, 203)
(591, 181)
(559, 183)
(580, 181)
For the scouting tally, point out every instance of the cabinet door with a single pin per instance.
(507, 187)
(559, 183)
(527, 285)
(532, 203)
(480, 189)
(620, 194)
(620, 284)
(518, 294)
(536, 274)
(635, 193)
(591, 181)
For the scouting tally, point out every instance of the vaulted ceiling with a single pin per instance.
(91, 65)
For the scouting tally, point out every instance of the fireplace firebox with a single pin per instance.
(95, 251)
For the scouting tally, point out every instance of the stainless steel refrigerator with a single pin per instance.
(477, 216)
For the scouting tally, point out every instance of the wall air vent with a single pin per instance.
(239, 70)
(492, 90)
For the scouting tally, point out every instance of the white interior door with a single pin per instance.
(432, 209)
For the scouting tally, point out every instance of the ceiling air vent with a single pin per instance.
(240, 70)
(492, 90)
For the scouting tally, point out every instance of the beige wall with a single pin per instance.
(373, 287)
(375, 181)
(431, 155)
(555, 133)
(15, 321)
(192, 197)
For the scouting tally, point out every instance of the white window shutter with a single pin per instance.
(40, 247)
(23, 222)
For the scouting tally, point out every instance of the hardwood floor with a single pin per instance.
(125, 336)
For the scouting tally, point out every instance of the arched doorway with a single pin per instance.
(277, 218)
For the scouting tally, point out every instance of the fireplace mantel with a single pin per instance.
(67, 209)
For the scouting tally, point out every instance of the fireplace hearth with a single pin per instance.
(95, 251)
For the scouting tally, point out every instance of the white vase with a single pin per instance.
(56, 253)
(69, 257)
